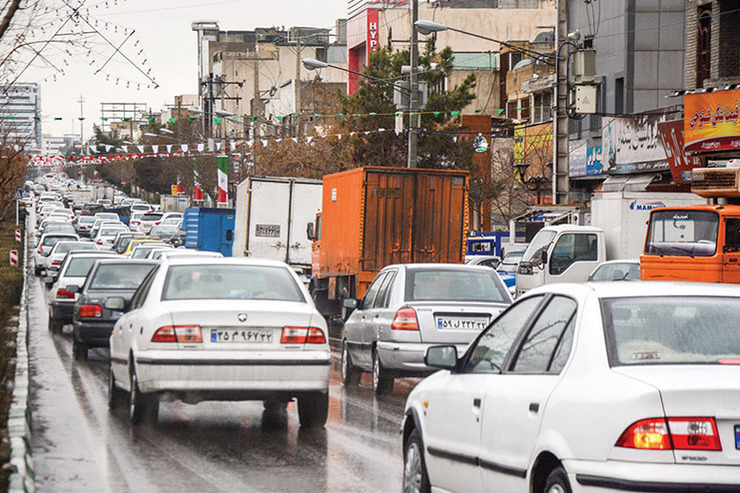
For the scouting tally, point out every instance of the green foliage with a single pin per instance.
(105, 138)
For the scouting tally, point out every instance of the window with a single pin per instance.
(732, 235)
(704, 45)
(492, 346)
(538, 349)
(572, 248)
(682, 233)
(381, 300)
(440, 284)
(542, 107)
(619, 95)
(143, 291)
(372, 291)
(318, 229)
(511, 110)
(524, 105)
(563, 350)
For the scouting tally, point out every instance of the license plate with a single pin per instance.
(461, 323)
(256, 336)
(737, 437)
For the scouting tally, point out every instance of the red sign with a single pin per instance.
(672, 135)
(372, 30)
(711, 121)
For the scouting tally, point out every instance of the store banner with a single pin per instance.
(672, 137)
(593, 161)
(711, 121)
(631, 144)
(577, 159)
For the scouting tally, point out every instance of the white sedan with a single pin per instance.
(586, 388)
(220, 329)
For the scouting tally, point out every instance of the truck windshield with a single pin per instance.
(539, 244)
(682, 233)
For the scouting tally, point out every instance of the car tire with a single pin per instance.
(79, 349)
(350, 374)
(382, 383)
(415, 477)
(55, 326)
(142, 407)
(557, 482)
(313, 409)
(37, 270)
(116, 396)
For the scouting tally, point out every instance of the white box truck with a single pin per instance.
(272, 214)
(174, 203)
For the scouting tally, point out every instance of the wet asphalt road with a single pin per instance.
(79, 446)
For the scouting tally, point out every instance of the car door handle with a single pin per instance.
(476, 403)
(534, 407)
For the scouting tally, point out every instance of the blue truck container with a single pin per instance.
(209, 230)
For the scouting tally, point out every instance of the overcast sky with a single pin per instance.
(163, 26)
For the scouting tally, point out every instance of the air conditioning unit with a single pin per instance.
(716, 182)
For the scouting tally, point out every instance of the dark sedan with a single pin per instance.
(94, 315)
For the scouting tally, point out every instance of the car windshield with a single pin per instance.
(142, 252)
(657, 330)
(682, 233)
(454, 285)
(64, 247)
(119, 276)
(50, 241)
(625, 271)
(245, 282)
(164, 230)
(80, 266)
(539, 244)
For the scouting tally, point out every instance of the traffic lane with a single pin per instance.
(216, 445)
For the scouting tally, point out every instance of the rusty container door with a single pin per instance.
(439, 217)
(388, 221)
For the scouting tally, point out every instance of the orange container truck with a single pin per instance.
(375, 216)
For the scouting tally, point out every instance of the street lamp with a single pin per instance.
(166, 131)
(223, 113)
(312, 64)
(149, 134)
(534, 183)
(195, 111)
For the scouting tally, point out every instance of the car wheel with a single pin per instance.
(382, 383)
(141, 406)
(313, 409)
(415, 478)
(37, 270)
(350, 375)
(55, 326)
(557, 481)
(116, 396)
(79, 349)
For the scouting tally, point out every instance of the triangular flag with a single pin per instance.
(141, 149)
(169, 148)
(499, 111)
(201, 147)
(125, 149)
(264, 143)
(93, 149)
(309, 139)
(295, 139)
(172, 120)
(218, 146)
(155, 149)
(454, 113)
(217, 121)
(184, 147)
(108, 148)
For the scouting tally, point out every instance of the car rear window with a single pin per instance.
(67, 247)
(119, 276)
(80, 267)
(152, 216)
(217, 282)
(87, 219)
(454, 285)
(657, 330)
(53, 240)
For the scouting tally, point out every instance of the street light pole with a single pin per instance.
(414, 87)
(560, 151)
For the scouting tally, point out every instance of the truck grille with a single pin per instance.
(715, 182)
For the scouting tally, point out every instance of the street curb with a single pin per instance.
(19, 416)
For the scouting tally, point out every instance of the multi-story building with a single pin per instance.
(20, 115)
(53, 145)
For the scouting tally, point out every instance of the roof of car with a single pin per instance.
(223, 261)
(127, 261)
(430, 266)
(622, 289)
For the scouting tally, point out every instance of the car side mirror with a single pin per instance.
(309, 231)
(543, 257)
(72, 288)
(350, 303)
(443, 357)
(115, 303)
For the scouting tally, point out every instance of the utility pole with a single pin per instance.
(82, 122)
(256, 95)
(561, 168)
(298, 83)
(414, 86)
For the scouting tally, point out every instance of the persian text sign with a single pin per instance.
(711, 121)
(632, 145)
(672, 136)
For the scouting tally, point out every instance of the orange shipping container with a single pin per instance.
(374, 216)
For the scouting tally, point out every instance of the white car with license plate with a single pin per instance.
(220, 329)
(593, 387)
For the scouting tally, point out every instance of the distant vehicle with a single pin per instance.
(148, 220)
(210, 230)
(650, 369)
(59, 252)
(616, 270)
(73, 271)
(163, 254)
(411, 307)
(94, 314)
(92, 209)
(100, 223)
(56, 227)
(483, 260)
(83, 225)
(46, 243)
(250, 323)
(134, 242)
(105, 202)
(123, 238)
(164, 232)
(510, 262)
(135, 220)
(141, 207)
(107, 234)
(142, 251)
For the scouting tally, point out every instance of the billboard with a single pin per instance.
(711, 121)
(672, 136)
(631, 144)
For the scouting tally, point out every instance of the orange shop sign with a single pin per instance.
(711, 121)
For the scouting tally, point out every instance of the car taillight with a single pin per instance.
(56, 263)
(672, 434)
(64, 294)
(302, 335)
(91, 311)
(405, 319)
(178, 333)
(157, 223)
(100, 241)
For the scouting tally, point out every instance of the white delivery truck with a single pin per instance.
(272, 214)
(569, 253)
(174, 203)
(82, 196)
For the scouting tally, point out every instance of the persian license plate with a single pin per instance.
(257, 336)
(462, 323)
(737, 437)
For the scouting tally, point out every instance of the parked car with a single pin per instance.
(616, 270)
(46, 243)
(249, 324)
(94, 317)
(411, 307)
(122, 240)
(73, 271)
(57, 254)
(586, 387)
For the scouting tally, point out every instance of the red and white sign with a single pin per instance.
(14, 257)
(18, 235)
(372, 30)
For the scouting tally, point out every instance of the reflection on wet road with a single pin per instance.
(216, 446)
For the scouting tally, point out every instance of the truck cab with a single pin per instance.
(698, 244)
(565, 253)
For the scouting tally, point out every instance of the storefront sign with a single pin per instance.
(577, 157)
(711, 121)
(372, 30)
(593, 161)
(632, 145)
(672, 136)
(390, 4)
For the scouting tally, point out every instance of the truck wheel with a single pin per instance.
(350, 375)
(313, 409)
(382, 383)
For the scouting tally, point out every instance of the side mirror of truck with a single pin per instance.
(309, 231)
(350, 303)
(543, 257)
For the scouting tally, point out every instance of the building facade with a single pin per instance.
(20, 116)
